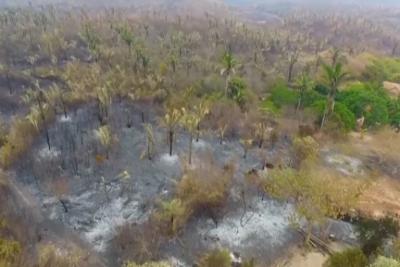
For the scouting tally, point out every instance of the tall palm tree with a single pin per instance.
(334, 76)
(229, 63)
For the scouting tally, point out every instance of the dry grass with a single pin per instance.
(381, 199)
(384, 143)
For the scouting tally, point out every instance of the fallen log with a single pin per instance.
(317, 242)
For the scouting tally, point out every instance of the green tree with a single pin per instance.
(236, 91)
(303, 84)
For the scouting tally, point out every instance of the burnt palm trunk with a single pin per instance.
(171, 140)
(10, 89)
(190, 148)
(43, 117)
(198, 132)
(261, 142)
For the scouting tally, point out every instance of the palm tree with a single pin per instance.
(229, 63)
(6, 70)
(105, 137)
(104, 101)
(334, 76)
(170, 121)
(221, 132)
(303, 84)
(55, 97)
(292, 59)
(247, 144)
(190, 122)
(127, 36)
(39, 108)
(149, 141)
(37, 118)
(260, 131)
(201, 110)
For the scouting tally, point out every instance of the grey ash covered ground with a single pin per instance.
(96, 198)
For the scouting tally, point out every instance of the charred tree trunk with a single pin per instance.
(10, 88)
(190, 148)
(198, 132)
(171, 140)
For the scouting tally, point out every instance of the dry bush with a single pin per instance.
(205, 189)
(172, 216)
(386, 143)
(20, 138)
(305, 148)
(228, 115)
(201, 191)
(22, 134)
(138, 243)
(50, 256)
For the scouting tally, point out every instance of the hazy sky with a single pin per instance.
(241, 2)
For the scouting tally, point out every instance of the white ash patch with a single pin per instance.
(46, 153)
(177, 262)
(108, 218)
(200, 145)
(64, 118)
(170, 160)
(345, 164)
(268, 221)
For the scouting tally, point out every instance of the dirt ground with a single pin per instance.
(381, 198)
(313, 258)
(392, 88)
(380, 156)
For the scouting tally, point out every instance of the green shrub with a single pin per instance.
(312, 96)
(216, 258)
(349, 258)
(367, 102)
(382, 69)
(237, 91)
(172, 216)
(342, 117)
(385, 262)
(322, 89)
(269, 107)
(372, 233)
(281, 95)
(394, 113)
